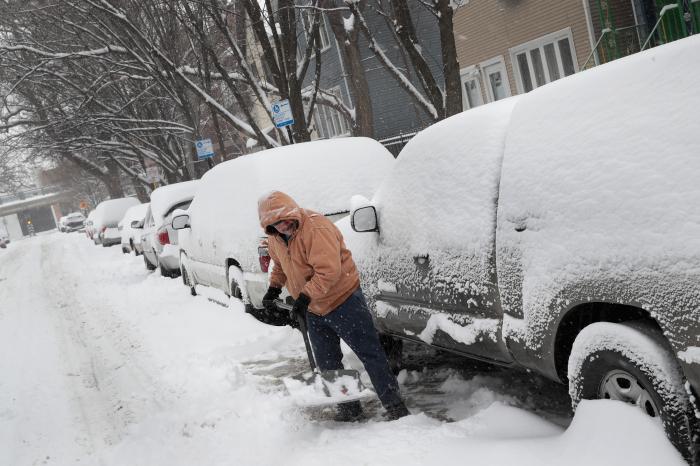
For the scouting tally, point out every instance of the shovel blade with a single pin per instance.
(326, 387)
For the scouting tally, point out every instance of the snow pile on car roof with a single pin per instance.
(163, 198)
(111, 211)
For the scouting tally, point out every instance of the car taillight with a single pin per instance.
(163, 237)
(264, 258)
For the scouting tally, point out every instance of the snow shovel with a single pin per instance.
(319, 388)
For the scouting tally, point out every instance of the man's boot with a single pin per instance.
(396, 411)
(349, 412)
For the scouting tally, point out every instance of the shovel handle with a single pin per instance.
(304, 332)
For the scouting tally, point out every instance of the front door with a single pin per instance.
(496, 79)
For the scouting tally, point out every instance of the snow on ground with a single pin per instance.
(104, 363)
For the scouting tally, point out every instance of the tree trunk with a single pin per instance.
(350, 52)
(450, 65)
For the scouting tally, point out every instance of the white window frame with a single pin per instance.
(468, 74)
(539, 43)
(324, 118)
(487, 82)
(322, 31)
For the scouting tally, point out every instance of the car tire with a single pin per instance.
(632, 362)
(188, 282)
(149, 266)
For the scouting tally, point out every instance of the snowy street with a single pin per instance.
(104, 363)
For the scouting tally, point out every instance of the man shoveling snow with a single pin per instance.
(311, 260)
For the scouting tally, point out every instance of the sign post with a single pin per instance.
(282, 116)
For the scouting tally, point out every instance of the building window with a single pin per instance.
(544, 60)
(471, 88)
(307, 18)
(329, 122)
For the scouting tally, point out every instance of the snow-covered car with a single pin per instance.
(221, 236)
(75, 221)
(62, 224)
(131, 236)
(159, 239)
(4, 240)
(107, 215)
(558, 231)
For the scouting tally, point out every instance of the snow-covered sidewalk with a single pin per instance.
(103, 363)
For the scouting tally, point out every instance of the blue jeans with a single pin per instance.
(352, 322)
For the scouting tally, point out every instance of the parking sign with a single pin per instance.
(282, 113)
(204, 149)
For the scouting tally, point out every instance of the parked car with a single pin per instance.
(131, 237)
(106, 219)
(158, 238)
(75, 221)
(557, 232)
(221, 236)
(89, 225)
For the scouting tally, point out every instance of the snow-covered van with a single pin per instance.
(557, 231)
(107, 215)
(221, 244)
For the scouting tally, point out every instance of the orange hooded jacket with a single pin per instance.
(315, 261)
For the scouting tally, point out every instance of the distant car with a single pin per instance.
(75, 221)
(4, 239)
(159, 240)
(107, 216)
(62, 224)
(131, 237)
(221, 237)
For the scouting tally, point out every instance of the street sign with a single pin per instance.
(282, 113)
(84, 205)
(204, 149)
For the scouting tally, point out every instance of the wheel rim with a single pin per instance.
(622, 386)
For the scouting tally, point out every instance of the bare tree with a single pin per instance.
(438, 101)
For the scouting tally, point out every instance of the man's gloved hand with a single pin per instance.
(268, 300)
(300, 305)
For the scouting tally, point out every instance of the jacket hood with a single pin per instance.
(276, 206)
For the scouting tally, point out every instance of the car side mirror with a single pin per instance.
(364, 219)
(181, 222)
(137, 224)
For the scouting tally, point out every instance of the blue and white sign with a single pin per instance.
(204, 149)
(282, 113)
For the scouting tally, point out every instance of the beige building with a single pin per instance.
(507, 47)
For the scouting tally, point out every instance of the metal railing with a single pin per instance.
(394, 144)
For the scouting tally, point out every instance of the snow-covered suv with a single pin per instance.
(558, 231)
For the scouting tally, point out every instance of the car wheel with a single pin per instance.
(632, 362)
(149, 266)
(188, 282)
(133, 248)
